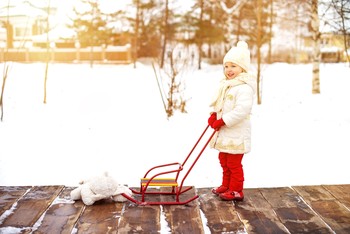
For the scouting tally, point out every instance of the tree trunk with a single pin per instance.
(200, 40)
(5, 73)
(270, 31)
(165, 34)
(239, 27)
(136, 36)
(315, 23)
(47, 51)
(259, 43)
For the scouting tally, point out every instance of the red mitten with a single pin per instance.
(212, 118)
(218, 124)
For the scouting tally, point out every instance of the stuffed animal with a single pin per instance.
(98, 188)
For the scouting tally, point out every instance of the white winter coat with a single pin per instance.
(234, 106)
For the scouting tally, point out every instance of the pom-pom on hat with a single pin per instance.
(239, 55)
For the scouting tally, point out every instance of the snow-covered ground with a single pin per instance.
(111, 118)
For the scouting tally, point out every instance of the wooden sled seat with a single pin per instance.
(159, 182)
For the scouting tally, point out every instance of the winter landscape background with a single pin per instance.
(111, 118)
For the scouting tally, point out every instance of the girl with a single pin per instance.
(230, 118)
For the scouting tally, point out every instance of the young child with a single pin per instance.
(230, 118)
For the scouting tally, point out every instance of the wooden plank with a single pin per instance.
(101, 217)
(333, 212)
(293, 212)
(183, 218)
(257, 214)
(61, 216)
(31, 206)
(141, 219)
(9, 195)
(341, 193)
(221, 216)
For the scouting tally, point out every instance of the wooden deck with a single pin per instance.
(298, 209)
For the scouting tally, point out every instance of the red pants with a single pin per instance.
(232, 171)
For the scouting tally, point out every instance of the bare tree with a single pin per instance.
(200, 41)
(136, 35)
(4, 77)
(259, 43)
(342, 8)
(6, 66)
(47, 51)
(270, 31)
(316, 55)
(173, 92)
(232, 11)
(165, 33)
(176, 99)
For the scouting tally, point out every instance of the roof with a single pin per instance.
(23, 9)
(55, 34)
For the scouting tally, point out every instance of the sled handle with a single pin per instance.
(200, 153)
(194, 147)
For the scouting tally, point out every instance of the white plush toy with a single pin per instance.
(98, 188)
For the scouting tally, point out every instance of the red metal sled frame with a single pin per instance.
(177, 189)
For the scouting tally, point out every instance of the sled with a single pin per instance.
(176, 185)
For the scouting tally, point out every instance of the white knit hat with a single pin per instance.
(239, 55)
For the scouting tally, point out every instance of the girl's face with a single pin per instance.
(232, 70)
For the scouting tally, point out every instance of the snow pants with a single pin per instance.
(232, 171)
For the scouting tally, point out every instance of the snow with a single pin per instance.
(164, 225)
(111, 118)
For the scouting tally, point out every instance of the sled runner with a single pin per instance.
(176, 185)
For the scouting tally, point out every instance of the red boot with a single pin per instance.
(219, 190)
(232, 196)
